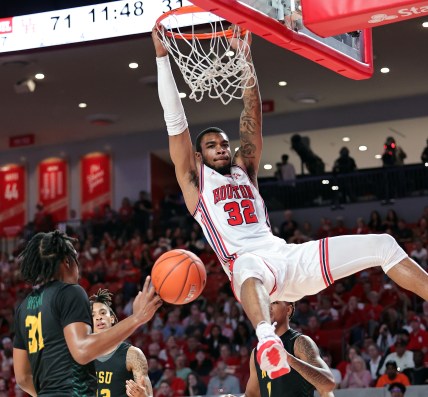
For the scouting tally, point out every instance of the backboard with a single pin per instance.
(280, 22)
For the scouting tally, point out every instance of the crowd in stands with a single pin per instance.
(370, 331)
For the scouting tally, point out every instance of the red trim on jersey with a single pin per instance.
(325, 262)
(328, 262)
(320, 250)
(216, 233)
(215, 243)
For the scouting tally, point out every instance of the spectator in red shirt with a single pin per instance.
(392, 297)
(326, 313)
(339, 229)
(191, 346)
(227, 357)
(324, 230)
(418, 337)
(176, 384)
(362, 286)
(360, 227)
(373, 312)
(313, 329)
(344, 365)
(353, 318)
(164, 390)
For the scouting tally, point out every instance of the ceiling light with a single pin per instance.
(426, 164)
(236, 149)
(305, 97)
(230, 53)
(182, 94)
(325, 181)
(378, 156)
(362, 148)
(133, 65)
(102, 119)
(335, 188)
(308, 100)
(82, 105)
(39, 76)
(282, 83)
(267, 166)
(384, 70)
(425, 25)
(346, 139)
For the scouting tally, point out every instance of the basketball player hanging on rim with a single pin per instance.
(220, 190)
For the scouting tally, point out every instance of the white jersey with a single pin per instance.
(233, 217)
(232, 214)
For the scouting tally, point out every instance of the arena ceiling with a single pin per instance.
(123, 100)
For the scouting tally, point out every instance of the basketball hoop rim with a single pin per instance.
(228, 34)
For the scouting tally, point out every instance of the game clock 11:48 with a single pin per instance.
(79, 24)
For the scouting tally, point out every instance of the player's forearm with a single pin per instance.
(27, 385)
(322, 379)
(252, 113)
(86, 346)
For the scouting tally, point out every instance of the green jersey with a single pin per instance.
(292, 384)
(39, 323)
(112, 373)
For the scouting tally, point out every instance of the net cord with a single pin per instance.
(211, 70)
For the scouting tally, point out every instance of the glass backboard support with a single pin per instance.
(280, 22)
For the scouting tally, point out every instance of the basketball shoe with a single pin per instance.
(272, 356)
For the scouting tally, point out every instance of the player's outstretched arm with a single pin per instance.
(86, 346)
(250, 125)
(22, 369)
(308, 363)
(180, 143)
(252, 389)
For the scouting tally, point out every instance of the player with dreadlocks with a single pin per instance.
(54, 345)
(116, 369)
(308, 370)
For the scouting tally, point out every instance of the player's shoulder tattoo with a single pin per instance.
(136, 360)
(305, 348)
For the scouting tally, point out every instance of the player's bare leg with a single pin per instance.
(255, 301)
(271, 354)
(409, 275)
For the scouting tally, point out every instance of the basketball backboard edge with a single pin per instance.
(277, 33)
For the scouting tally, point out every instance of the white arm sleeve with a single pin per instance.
(173, 111)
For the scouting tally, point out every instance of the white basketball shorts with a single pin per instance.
(291, 271)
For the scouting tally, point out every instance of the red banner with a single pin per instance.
(331, 17)
(13, 197)
(53, 187)
(95, 183)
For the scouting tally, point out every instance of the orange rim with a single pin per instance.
(189, 36)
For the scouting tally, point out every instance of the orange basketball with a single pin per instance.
(179, 276)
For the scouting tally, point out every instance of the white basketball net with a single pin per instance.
(211, 65)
